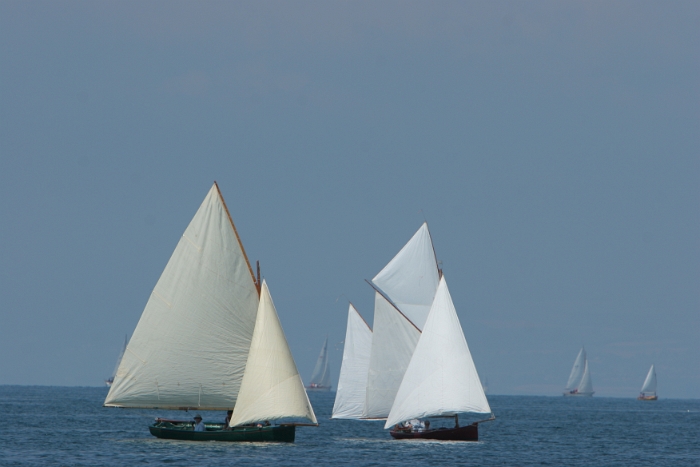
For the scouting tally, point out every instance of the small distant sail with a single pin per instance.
(352, 384)
(577, 370)
(271, 386)
(110, 380)
(585, 387)
(441, 378)
(393, 342)
(321, 377)
(411, 277)
(649, 386)
(190, 346)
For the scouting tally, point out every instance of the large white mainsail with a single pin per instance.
(271, 387)
(649, 386)
(411, 277)
(352, 384)
(190, 347)
(441, 378)
(321, 377)
(576, 370)
(393, 342)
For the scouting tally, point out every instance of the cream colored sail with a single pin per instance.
(411, 277)
(271, 387)
(352, 385)
(393, 341)
(441, 378)
(190, 347)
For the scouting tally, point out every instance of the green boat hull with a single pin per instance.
(216, 432)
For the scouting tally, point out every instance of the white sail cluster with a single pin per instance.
(410, 373)
(205, 338)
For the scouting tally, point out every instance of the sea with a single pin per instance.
(67, 426)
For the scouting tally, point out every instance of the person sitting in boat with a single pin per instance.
(416, 425)
(227, 420)
(199, 424)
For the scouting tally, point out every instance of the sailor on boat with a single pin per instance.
(199, 424)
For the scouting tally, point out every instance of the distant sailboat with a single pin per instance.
(321, 377)
(648, 392)
(580, 382)
(209, 338)
(110, 380)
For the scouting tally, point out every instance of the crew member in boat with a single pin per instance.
(199, 424)
(417, 425)
(227, 420)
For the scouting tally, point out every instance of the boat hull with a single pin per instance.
(579, 394)
(462, 433)
(647, 398)
(215, 432)
(318, 388)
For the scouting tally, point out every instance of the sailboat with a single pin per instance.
(321, 377)
(110, 380)
(441, 380)
(648, 392)
(410, 293)
(210, 338)
(580, 382)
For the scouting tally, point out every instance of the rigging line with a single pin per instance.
(235, 231)
(360, 315)
(381, 292)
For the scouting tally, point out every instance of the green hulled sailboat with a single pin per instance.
(209, 338)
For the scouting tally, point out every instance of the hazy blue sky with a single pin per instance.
(553, 147)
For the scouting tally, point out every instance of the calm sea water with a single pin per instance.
(47, 426)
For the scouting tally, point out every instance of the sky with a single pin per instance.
(553, 148)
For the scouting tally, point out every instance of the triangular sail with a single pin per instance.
(322, 375)
(649, 386)
(393, 341)
(577, 370)
(411, 277)
(271, 387)
(352, 384)
(586, 384)
(441, 378)
(190, 347)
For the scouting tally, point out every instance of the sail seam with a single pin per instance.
(193, 243)
(170, 305)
